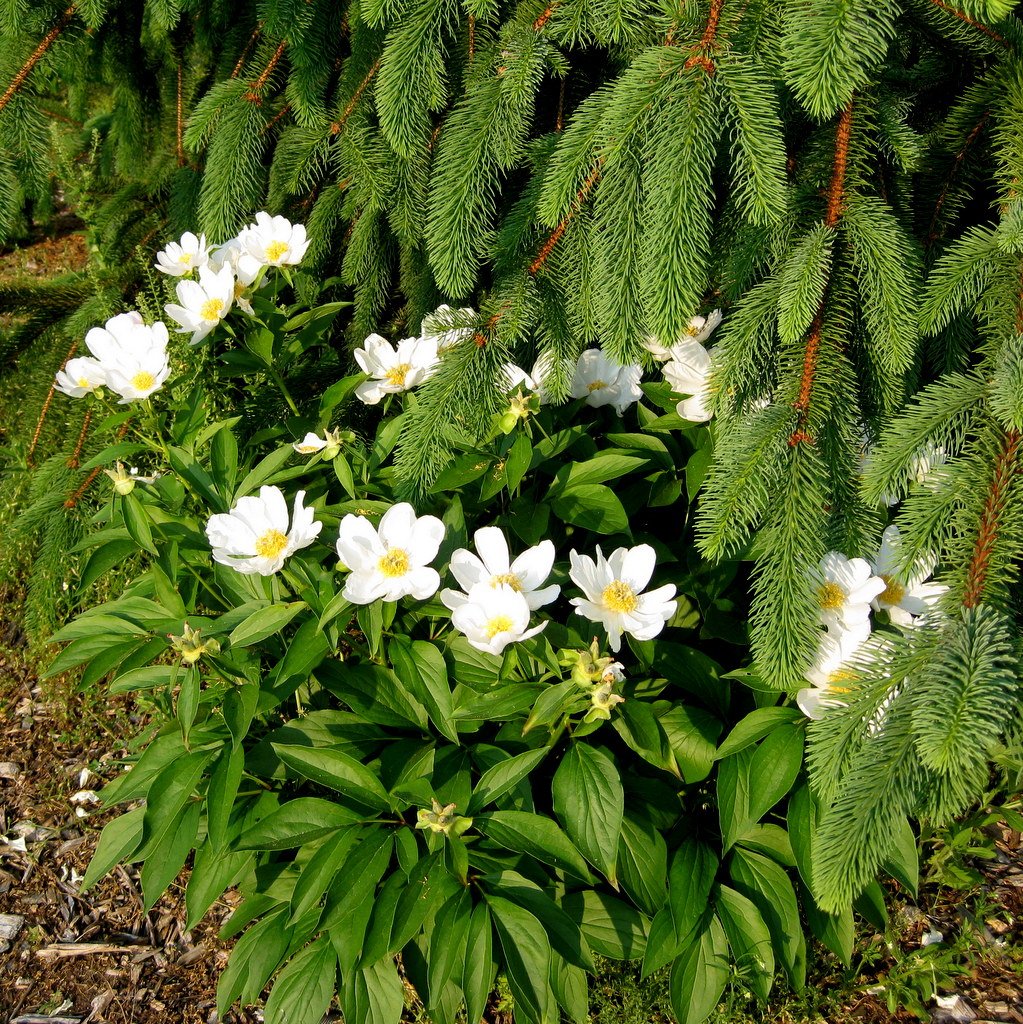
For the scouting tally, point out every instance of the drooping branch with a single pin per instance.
(555, 235)
(74, 498)
(702, 50)
(970, 21)
(1006, 466)
(19, 79)
(179, 147)
(836, 193)
(253, 95)
(45, 409)
(74, 461)
(248, 49)
(932, 234)
(363, 86)
(545, 17)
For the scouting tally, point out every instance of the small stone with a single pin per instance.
(9, 770)
(10, 925)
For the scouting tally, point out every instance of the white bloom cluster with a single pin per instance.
(848, 589)
(392, 560)
(225, 272)
(688, 366)
(128, 356)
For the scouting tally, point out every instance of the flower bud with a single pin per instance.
(124, 483)
(190, 647)
(442, 819)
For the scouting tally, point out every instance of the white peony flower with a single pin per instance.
(204, 303)
(602, 382)
(830, 670)
(274, 241)
(700, 329)
(613, 593)
(130, 355)
(310, 444)
(180, 258)
(494, 568)
(688, 373)
(435, 327)
(905, 595)
(391, 561)
(393, 370)
(513, 376)
(80, 377)
(246, 270)
(491, 617)
(254, 537)
(846, 588)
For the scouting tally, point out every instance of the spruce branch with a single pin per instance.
(555, 235)
(706, 45)
(36, 55)
(37, 433)
(75, 460)
(1005, 469)
(245, 52)
(932, 234)
(336, 127)
(972, 21)
(254, 93)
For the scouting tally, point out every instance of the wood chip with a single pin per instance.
(64, 949)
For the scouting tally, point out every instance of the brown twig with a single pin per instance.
(1005, 468)
(37, 53)
(45, 409)
(87, 483)
(481, 337)
(179, 142)
(245, 53)
(836, 192)
(363, 86)
(932, 234)
(472, 38)
(545, 17)
(253, 95)
(273, 120)
(552, 240)
(702, 49)
(970, 21)
(73, 462)
(560, 120)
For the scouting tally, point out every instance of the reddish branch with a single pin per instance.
(970, 21)
(37, 53)
(273, 120)
(932, 234)
(472, 38)
(253, 95)
(45, 409)
(245, 53)
(836, 192)
(73, 462)
(545, 17)
(363, 86)
(87, 482)
(482, 337)
(555, 235)
(1006, 467)
(703, 48)
(180, 148)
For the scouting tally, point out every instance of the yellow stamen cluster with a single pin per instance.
(894, 591)
(619, 597)
(396, 374)
(211, 309)
(186, 258)
(498, 624)
(142, 381)
(271, 544)
(831, 595)
(595, 385)
(508, 579)
(395, 563)
(275, 250)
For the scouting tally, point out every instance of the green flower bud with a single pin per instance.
(190, 647)
(442, 819)
(124, 483)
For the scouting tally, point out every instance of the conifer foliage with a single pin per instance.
(840, 177)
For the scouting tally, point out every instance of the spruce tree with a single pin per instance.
(840, 177)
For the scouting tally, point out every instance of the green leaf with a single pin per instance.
(167, 854)
(338, 771)
(527, 959)
(479, 969)
(903, 862)
(767, 886)
(421, 667)
(535, 835)
(699, 975)
(375, 995)
(503, 776)
(304, 988)
(263, 623)
(296, 823)
(611, 927)
(639, 727)
(643, 863)
(749, 939)
(319, 870)
(264, 471)
(590, 802)
(692, 734)
(118, 840)
(136, 521)
(754, 727)
(593, 507)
